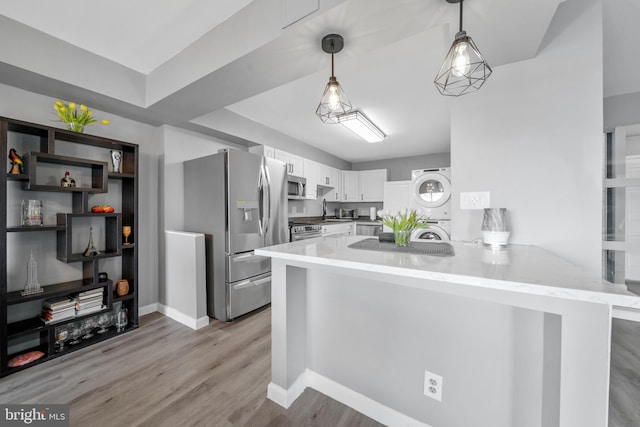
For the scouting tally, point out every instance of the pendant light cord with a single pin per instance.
(461, 1)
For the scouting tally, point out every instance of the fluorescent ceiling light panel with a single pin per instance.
(359, 124)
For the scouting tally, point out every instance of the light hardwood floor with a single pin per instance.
(624, 393)
(165, 374)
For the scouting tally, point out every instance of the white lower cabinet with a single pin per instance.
(345, 228)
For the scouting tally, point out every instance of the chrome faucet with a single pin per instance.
(324, 209)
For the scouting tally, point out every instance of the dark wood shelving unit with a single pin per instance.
(56, 290)
(31, 333)
(19, 228)
(98, 172)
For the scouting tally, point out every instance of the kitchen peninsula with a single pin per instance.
(519, 337)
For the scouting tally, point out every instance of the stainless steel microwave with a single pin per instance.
(296, 187)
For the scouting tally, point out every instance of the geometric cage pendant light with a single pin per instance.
(334, 101)
(464, 69)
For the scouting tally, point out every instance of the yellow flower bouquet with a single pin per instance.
(75, 120)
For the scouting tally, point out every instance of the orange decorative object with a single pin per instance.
(122, 287)
(23, 359)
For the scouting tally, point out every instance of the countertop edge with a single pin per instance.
(625, 300)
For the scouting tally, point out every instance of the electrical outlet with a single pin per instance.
(433, 385)
(294, 209)
(475, 200)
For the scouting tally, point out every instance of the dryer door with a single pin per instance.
(432, 233)
(431, 190)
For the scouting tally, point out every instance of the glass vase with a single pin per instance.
(75, 127)
(402, 237)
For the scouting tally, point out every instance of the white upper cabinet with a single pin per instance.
(310, 174)
(335, 179)
(263, 150)
(350, 186)
(371, 185)
(295, 164)
(323, 173)
(335, 185)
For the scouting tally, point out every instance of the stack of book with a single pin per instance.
(88, 302)
(57, 309)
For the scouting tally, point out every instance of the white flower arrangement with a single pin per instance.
(404, 219)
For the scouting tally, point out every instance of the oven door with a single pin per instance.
(305, 235)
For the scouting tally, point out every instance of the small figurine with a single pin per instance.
(67, 181)
(17, 165)
(91, 250)
(32, 286)
(116, 158)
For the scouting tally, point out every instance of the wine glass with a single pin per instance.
(126, 232)
(87, 326)
(62, 334)
(122, 318)
(75, 332)
(104, 321)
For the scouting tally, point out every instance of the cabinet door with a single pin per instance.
(263, 150)
(350, 186)
(322, 175)
(334, 176)
(297, 165)
(283, 156)
(371, 185)
(269, 152)
(336, 180)
(310, 175)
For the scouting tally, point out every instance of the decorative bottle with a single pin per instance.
(67, 181)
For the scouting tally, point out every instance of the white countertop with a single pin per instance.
(519, 268)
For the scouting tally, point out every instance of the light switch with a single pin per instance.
(475, 200)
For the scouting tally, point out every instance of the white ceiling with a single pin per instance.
(139, 34)
(205, 61)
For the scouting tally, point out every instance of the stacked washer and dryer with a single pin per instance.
(429, 191)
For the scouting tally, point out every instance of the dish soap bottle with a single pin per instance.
(67, 181)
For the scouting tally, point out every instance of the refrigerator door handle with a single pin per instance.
(250, 283)
(267, 187)
(261, 184)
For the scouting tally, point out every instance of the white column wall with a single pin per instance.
(533, 137)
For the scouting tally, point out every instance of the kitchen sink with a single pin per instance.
(339, 220)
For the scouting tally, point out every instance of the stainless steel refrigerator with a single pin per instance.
(238, 200)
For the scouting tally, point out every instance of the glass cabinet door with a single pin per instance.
(621, 228)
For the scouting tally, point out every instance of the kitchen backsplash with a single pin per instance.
(304, 208)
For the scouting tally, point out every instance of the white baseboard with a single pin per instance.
(148, 309)
(285, 397)
(189, 321)
(365, 405)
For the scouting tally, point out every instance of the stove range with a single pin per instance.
(304, 230)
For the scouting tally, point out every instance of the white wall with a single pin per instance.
(179, 145)
(28, 106)
(533, 137)
(488, 354)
